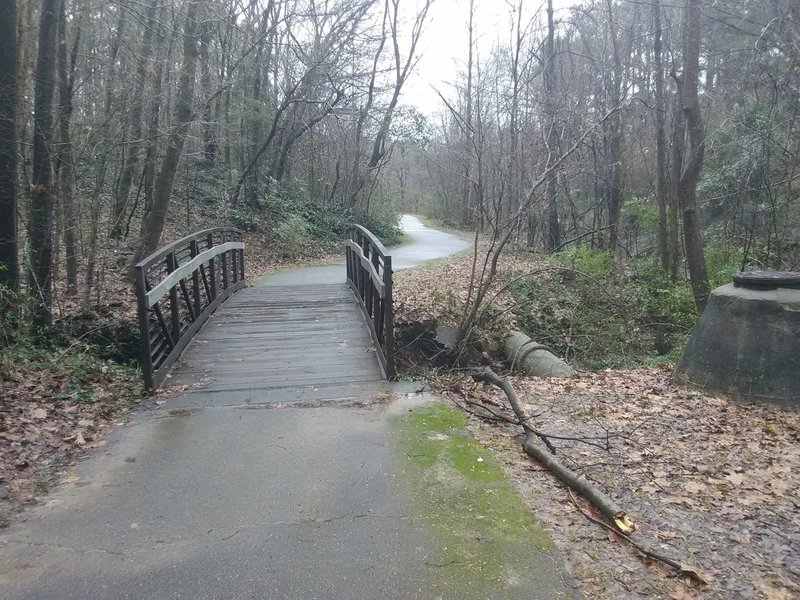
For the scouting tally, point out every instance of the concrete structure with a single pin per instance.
(747, 343)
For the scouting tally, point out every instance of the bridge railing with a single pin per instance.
(178, 287)
(369, 274)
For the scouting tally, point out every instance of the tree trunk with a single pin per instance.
(553, 223)
(133, 149)
(468, 213)
(154, 224)
(614, 137)
(695, 150)
(209, 125)
(65, 169)
(9, 274)
(662, 191)
(675, 167)
(40, 218)
(154, 118)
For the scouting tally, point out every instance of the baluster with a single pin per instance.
(388, 315)
(193, 250)
(172, 264)
(224, 259)
(212, 269)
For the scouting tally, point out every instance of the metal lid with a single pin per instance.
(767, 280)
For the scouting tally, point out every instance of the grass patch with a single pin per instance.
(489, 540)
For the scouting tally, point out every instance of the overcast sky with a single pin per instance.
(444, 45)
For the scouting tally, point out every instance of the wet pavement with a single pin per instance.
(425, 243)
(283, 485)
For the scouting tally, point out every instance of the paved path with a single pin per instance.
(271, 475)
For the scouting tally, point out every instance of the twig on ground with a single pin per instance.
(693, 572)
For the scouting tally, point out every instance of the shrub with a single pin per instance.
(384, 222)
(292, 237)
(595, 263)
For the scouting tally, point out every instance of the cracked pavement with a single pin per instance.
(219, 502)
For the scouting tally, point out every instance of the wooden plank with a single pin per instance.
(282, 337)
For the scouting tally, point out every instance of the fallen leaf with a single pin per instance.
(39, 413)
(695, 487)
(735, 478)
(740, 537)
(683, 592)
(695, 572)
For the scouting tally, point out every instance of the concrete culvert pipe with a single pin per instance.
(526, 356)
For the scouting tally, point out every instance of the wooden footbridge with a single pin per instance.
(309, 337)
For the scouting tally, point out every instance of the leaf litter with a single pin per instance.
(705, 479)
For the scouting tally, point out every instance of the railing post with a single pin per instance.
(144, 327)
(362, 284)
(239, 238)
(224, 260)
(195, 279)
(374, 296)
(388, 315)
(212, 269)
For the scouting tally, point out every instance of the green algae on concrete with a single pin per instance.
(490, 544)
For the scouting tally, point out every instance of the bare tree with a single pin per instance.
(154, 224)
(40, 217)
(695, 152)
(403, 64)
(67, 65)
(8, 144)
(135, 126)
(551, 127)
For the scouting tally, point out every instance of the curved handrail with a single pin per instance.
(178, 287)
(369, 275)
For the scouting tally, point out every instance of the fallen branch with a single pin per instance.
(493, 415)
(490, 376)
(693, 572)
(577, 482)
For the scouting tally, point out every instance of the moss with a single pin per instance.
(489, 541)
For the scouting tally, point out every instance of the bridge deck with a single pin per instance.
(292, 344)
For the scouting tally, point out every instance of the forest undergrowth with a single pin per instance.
(708, 482)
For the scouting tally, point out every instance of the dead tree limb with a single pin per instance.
(575, 481)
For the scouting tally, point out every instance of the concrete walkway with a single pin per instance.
(274, 474)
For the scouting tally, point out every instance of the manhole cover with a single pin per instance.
(767, 280)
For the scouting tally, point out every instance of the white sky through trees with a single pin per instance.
(444, 44)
